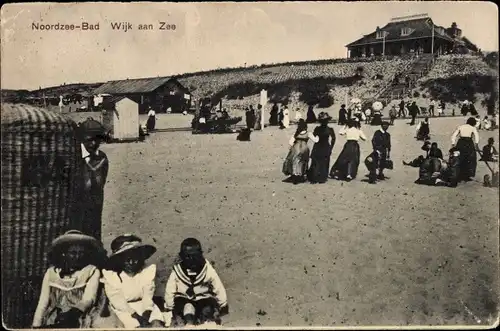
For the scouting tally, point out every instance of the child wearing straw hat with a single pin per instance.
(130, 285)
(70, 285)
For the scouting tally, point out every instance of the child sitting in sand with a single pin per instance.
(194, 292)
(490, 153)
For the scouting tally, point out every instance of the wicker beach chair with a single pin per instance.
(39, 165)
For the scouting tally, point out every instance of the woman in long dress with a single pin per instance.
(297, 160)
(258, 118)
(346, 166)
(466, 140)
(151, 122)
(311, 116)
(285, 123)
(322, 150)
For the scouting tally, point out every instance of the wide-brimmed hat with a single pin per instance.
(75, 237)
(128, 243)
(324, 116)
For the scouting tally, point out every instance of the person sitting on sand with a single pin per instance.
(486, 123)
(490, 153)
(449, 174)
(70, 286)
(130, 284)
(423, 130)
(194, 293)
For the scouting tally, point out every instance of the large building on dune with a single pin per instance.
(411, 34)
(161, 93)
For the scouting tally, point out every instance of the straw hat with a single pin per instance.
(323, 116)
(75, 237)
(127, 243)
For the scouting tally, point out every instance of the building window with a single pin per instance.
(381, 34)
(406, 31)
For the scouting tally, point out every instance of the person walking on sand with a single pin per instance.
(151, 122)
(297, 160)
(285, 123)
(258, 118)
(393, 113)
(342, 115)
(322, 150)
(311, 116)
(466, 140)
(347, 163)
(381, 143)
(273, 117)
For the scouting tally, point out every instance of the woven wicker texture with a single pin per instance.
(39, 165)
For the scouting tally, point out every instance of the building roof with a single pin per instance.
(114, 99)
(128, 86)
(422, 27)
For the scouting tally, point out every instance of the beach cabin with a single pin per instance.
(120, 116)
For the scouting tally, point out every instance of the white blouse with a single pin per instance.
(465, 131)
(151, 112)
(352, 134)
(122, 289)
(309, 135)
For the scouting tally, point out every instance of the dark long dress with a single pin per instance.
(87, 212)
(250, 119)
(348, 161)
(376, 119)
(342, 116)
(151, 123)
(311, 116)
(468, 158)
(273, 118)
(423, 131)
(320, 155)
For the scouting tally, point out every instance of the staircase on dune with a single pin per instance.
(399, 88)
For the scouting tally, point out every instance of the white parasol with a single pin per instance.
(355, 100)
(377, 105)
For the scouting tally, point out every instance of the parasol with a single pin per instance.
(355, 100)
(377, 105)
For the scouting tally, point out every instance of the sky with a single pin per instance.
(207, 36)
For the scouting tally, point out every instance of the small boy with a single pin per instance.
(194, 292)
(490, 153)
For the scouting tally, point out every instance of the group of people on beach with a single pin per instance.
(83, 285)
(296, 164)
(462, 160)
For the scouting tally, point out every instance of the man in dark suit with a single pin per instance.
(381, 143)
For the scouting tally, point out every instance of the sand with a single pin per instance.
(337, 254)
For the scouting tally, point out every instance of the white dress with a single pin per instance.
(286, 118)
(298, 115)
(128, 295)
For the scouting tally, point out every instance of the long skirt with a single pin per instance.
(320, 163)
(297, 159)
(130, 323)
(468, 158)
(348, 161)
(376, 120)
(151, 123)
